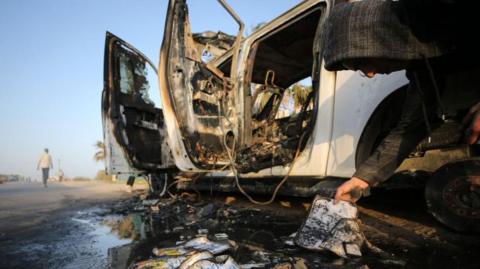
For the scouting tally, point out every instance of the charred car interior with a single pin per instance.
(207, 98)
(278, 61)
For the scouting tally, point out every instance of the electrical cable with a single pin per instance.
(234, 170)
(275, 192)
(436, 88)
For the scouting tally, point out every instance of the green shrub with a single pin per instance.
(82, 179)
(102, 176)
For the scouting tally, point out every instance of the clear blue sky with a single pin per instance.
(51, 69)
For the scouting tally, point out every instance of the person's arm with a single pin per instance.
(50, 160)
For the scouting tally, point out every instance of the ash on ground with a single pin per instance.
(259, 237)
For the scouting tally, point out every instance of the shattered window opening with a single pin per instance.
(139, 123)
(281, 103)
(294, 98)
(133, 77)
(126, 76)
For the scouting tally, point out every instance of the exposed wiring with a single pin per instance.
(168, 189)
(231, 156)
(173, 183)
(275, 192)
(193, 179)
(424, 107)
(165, 178)
(436, 88)
(149, 180)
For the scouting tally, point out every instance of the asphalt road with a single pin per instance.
(38, 227)
(23, 205)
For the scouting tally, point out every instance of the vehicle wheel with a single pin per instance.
(453, 195)
(159, 183)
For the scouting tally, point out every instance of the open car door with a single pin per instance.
(200, 105)
(133, 123)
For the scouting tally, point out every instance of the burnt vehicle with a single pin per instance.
(222, 123)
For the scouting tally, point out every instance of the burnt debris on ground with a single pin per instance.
(258, 237)
(397, 234)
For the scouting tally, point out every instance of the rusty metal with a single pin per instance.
(238, 39)
(454, 194)
(452, 198)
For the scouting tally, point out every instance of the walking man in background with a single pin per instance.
(45, 163)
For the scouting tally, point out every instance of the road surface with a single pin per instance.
(23, 205)
(38, 227)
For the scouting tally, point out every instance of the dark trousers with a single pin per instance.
(405, 136)
(45, 175)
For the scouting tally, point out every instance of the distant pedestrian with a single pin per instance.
(45, 163)
(60, 175)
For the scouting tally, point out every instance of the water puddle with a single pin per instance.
(103, 237)
(98, 237)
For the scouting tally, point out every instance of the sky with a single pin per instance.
(51, 69)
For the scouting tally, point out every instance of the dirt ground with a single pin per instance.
(101, 226)
(397, 221)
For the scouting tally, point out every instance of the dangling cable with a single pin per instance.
(424, 108)
(435, 87)
(274, 195)
(232, 161)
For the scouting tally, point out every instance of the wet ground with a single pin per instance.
(121, 233)
(78, 240)
(59, 226)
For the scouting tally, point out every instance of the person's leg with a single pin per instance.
(45, 176)
(403, 139)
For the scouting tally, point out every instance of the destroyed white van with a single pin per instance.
(220, 123)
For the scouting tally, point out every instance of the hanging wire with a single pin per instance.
(435, 87)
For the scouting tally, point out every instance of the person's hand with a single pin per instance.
(473, 119)
(351, 190)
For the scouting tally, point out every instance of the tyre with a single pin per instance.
(453, 195)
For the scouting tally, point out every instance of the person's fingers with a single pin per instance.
(338, 195)
(336, 199)
(342, 194)
(346, 197)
